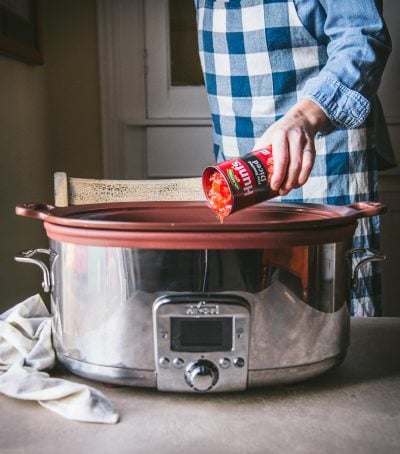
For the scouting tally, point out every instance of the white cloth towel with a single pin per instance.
(26, 350)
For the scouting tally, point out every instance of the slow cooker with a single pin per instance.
(163, 295)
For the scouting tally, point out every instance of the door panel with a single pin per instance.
(166, 98)
(178, 151)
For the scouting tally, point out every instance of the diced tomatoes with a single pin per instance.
(219, 195)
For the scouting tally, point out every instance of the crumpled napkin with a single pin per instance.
(26, 350)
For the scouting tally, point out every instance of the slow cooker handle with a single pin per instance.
(27, 257)
(372, 256)
(34, 210)
(368, 209)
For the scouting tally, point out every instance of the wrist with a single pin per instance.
(312, 113)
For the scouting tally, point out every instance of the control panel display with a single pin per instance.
(189, 334)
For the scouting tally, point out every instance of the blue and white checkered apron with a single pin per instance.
(256, 56)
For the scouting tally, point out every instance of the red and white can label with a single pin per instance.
(247, 177)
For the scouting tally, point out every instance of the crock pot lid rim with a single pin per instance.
(298, 217)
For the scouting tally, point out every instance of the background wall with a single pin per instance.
(389, 181)
(25, 170)
(49, 120)
(70, 37)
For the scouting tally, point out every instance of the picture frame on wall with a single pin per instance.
(20, 30)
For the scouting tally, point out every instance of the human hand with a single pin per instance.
(292, 140)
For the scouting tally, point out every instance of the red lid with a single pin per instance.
(187, 225)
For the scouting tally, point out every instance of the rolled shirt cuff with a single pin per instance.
(344, 107)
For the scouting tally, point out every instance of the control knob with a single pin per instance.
(201, 375)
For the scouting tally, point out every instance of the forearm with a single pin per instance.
(358, 48)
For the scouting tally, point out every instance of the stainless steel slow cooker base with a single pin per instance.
(123, 376)
(112, 375)
(108, 304)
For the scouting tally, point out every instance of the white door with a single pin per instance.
(175, 92)
(156, 120)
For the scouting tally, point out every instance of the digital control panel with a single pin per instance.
(201, 342)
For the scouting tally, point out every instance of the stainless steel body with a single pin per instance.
(105, 302)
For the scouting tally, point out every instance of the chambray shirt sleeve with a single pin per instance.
(358, 48)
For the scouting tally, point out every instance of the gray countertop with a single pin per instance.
(352, 409)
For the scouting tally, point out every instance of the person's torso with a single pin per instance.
(256, 57)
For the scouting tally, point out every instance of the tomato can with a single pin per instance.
(247, 179)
